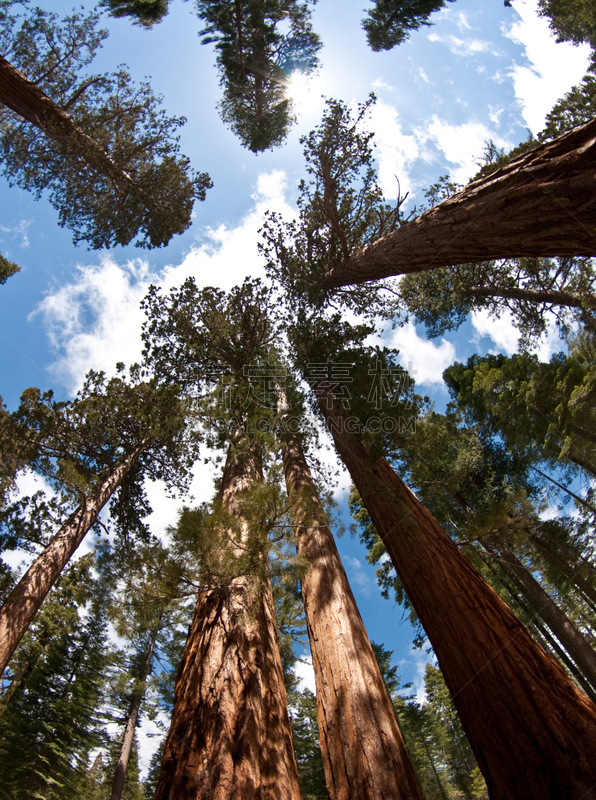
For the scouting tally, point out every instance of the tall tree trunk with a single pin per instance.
(540, 630)
(22, 604)
(131, 720)
(27, 100)
(541, 203)
(565, 631)
(230, 736)
(364, 755)
(532, 731)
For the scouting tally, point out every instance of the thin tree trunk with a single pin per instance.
(22, 604)
(27, 100)
(570, 572)
(230, 735)
(532, 731)
(363, 751)
(565, 631)
(558, 297)
(131, 721)
(541, 203)
(539, 628)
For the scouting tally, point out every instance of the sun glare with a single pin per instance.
(300, 89)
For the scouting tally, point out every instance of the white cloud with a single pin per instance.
(554, 67)
(305, 672)
(358, 576)
(463, 47)
(424, 360)
(14, 231)
(462, 144)
(395, 151)
(462, 22)
(415, 665)
(95, 321)
(505, 334)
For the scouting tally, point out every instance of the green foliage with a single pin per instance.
(305, 738)
(387, 579)
(143, 12)
(342, 209)
(51, 719)
(570, 20)
(534, 290)
(7, 268)
(440, 753)
(390, 22)
(255, 61)
(545, 408)
(76, 444)
(149, 189)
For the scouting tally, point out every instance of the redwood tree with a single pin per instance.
(94, 449)
(107, 152)
(539, 204)
(532, 731)
(363, 750)
(230, 734)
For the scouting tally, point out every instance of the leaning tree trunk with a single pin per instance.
(131, 720)
(27, 100)
(543, 605)
(230, 736)
(21, 606)
(364, 755)
(542, 203)
(532, 731)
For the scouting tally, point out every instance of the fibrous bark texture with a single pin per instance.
(364, 755)
(22, 604)
(532, 731)
(542, 203)
(230, 735)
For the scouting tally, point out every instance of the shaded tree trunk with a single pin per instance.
(131, 721)
(21, 605)
(558, 297)
(541, 203)
(532, 731)
(565, 631)
(364, 755)
(27, 100)
(230, 735)
(570, 572)
(540, 630)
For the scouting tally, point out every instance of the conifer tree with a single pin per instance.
(51, 722)
(255, 61)
(390, 22)
(490, 663)
(100, 445)
(107, 152)
(362, 747)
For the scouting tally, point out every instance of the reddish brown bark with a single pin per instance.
(27, 100)
(532, 731)
(364, 755)
(543, 605)
(22, 604)
(542, 203)
(230, 736)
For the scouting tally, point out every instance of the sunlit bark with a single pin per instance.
(542, 203)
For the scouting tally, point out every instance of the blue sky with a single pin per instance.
(482, 71)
